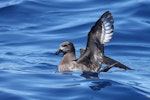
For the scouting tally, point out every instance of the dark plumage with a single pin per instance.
(93, 56)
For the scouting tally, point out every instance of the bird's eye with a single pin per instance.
(64, 45)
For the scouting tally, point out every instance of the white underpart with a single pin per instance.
(107, 31)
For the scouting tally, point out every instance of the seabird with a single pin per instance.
(91, 58)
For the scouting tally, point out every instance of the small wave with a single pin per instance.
(10, 3)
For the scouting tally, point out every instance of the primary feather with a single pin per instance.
(107, 28)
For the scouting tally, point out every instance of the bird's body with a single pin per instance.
(92, 57)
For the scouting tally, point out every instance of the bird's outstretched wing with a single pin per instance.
(110, 61)
(100, 34)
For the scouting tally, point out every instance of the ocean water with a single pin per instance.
(31, 31)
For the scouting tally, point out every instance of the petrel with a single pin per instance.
(91, 58)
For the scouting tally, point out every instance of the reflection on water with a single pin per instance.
(100, 85)
(90, 75)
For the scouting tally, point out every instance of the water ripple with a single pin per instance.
(31, 31)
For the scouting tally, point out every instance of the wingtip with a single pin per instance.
(110, 61)
(106, 14)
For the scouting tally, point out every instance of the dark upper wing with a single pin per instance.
(99, 34)
(111, 61)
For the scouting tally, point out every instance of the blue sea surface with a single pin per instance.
(31, 31)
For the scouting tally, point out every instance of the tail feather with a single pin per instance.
(111, 61)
